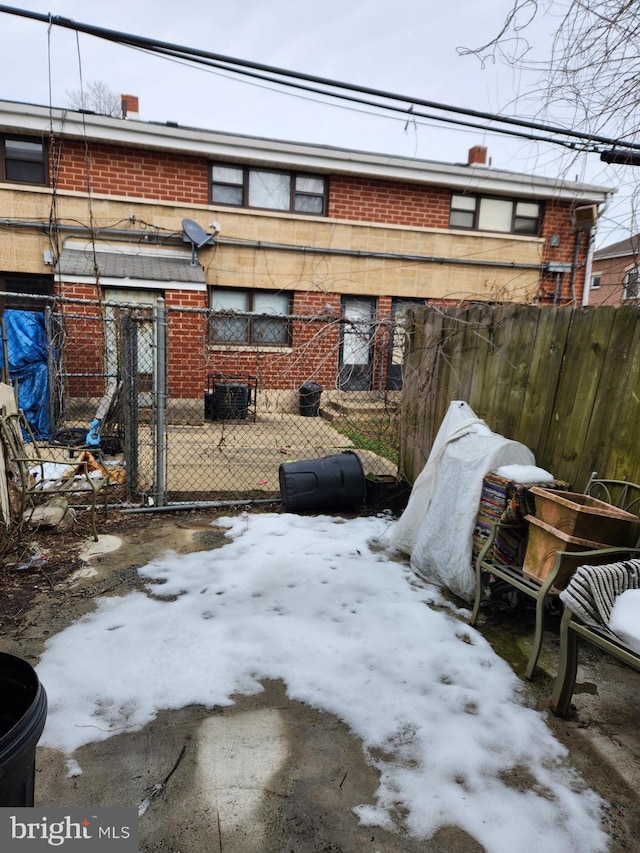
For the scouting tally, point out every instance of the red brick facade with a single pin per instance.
(116, 170)
(388, 202)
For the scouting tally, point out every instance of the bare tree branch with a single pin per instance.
(97, 97)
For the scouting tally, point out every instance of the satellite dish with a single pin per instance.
(195, 232)
(197, 235)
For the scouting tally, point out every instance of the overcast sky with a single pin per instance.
(407, 46)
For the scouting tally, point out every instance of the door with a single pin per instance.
(356, 345)
(398, 341)
(143, 321)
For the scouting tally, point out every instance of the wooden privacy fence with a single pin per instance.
(563, 381)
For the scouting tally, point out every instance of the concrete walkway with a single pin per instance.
(222, 456)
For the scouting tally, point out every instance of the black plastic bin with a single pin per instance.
(310, 394)
(384, 491)
(333, 482)
(23, 712)
(230, 401)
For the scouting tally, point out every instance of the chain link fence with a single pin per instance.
(195, 405)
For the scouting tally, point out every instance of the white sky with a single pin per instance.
(408, 47)
(321, 603)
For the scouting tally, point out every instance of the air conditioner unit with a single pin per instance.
(585, 217)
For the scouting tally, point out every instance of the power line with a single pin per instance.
(308, 82)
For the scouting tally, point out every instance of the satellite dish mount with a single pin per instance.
(197, 236)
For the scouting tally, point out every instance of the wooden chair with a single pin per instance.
(624, 495)
(36, 472)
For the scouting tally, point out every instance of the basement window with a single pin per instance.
(502, 215)
(267, 189)
(249, 317)
(23, 160)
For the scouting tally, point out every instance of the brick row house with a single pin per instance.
(615, 276)
(309, 257)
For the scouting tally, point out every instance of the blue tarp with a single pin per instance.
(27, 350)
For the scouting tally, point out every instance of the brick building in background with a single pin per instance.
(294, 237)
(615, 276)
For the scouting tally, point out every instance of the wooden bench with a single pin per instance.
(619, 493)
(572, 628)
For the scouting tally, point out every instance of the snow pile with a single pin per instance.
(625, 618)
(319, 603)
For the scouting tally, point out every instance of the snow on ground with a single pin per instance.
(322, 604)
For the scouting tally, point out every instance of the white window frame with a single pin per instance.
(236, 185)
(490, 213)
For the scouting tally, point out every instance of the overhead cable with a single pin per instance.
(286, 77)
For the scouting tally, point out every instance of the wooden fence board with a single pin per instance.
(611, 327)
(420, 390)
(584, 362)
(474, 351)
(452, 355)
(546, 360)
(576, 360)
(505, 334)
(521, 352)
(620, 453)
(486, 390)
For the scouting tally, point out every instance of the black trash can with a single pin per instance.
(332, 483)
(23, 712)
(310, 394)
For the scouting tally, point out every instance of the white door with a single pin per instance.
(144, 336)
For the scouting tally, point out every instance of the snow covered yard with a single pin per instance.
(324, 605)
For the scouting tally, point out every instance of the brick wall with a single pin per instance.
(558, 289)
(84, 339)
(117, 170)
(388, 202)
(612, 272)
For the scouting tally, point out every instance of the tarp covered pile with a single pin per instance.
(436, 528)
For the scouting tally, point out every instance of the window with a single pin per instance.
(264, 188)
(23, 160)
(486, 213)
(24, 286)
(596, 281)
(249, 317)
(631, 284)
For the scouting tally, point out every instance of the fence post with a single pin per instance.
(160, 399)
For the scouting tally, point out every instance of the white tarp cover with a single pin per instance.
(436, 528)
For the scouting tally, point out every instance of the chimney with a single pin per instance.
(477, 156)
(129, 106)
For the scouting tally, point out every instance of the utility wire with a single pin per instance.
(286, 77)
(353, 99)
